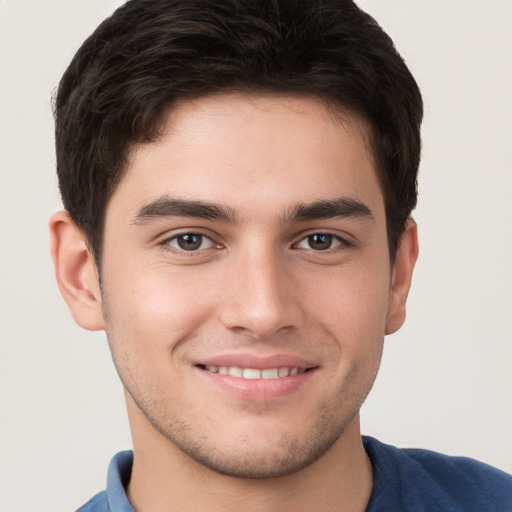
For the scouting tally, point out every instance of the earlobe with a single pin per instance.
(76, 272)
(403, 268)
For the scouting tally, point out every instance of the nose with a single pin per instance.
(260, 296)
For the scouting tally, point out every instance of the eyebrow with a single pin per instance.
(342, 207)
(170, 207)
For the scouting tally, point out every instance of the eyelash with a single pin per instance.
(165, 244)
(341, 243)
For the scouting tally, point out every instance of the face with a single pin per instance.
(246, 281)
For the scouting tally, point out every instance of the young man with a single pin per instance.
(238, 178)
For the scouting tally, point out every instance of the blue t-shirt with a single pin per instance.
(404, 480)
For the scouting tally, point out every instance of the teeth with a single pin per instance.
(251, 373)
(234, 371)
(283, 372)
(270, 374)
(254, 373)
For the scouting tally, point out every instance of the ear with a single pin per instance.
(403, 267)
(76, 272)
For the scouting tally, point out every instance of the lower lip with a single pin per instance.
(258, 390)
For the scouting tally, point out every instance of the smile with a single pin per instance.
(257, 379)
(254, 373)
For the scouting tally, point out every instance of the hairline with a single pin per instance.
(338, 112)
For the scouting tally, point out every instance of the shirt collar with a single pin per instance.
(118, 476)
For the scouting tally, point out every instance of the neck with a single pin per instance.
(165, 479)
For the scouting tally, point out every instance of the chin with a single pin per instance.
(263, 461)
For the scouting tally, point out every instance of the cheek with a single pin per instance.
(146, 321)
(155, 308)
(351, 310)
(353, 302)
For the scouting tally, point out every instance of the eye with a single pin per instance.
(320, 242)
(190, 242)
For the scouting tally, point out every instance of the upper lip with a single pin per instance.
(257, 362)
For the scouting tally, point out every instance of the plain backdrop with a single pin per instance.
(446, 379)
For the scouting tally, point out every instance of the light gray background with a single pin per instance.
(446, 379)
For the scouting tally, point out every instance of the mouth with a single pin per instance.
(255, 373)
(255, 378)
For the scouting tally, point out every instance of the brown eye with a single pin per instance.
(190, 242)
(320, 242)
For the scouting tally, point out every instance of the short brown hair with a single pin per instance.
(150, 53)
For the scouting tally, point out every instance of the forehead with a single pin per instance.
(240, 150)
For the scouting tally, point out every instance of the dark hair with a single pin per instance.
(150, 53)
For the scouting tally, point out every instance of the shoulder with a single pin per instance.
(416, 479)
(98, 503)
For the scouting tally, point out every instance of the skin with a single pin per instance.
(256, 287)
